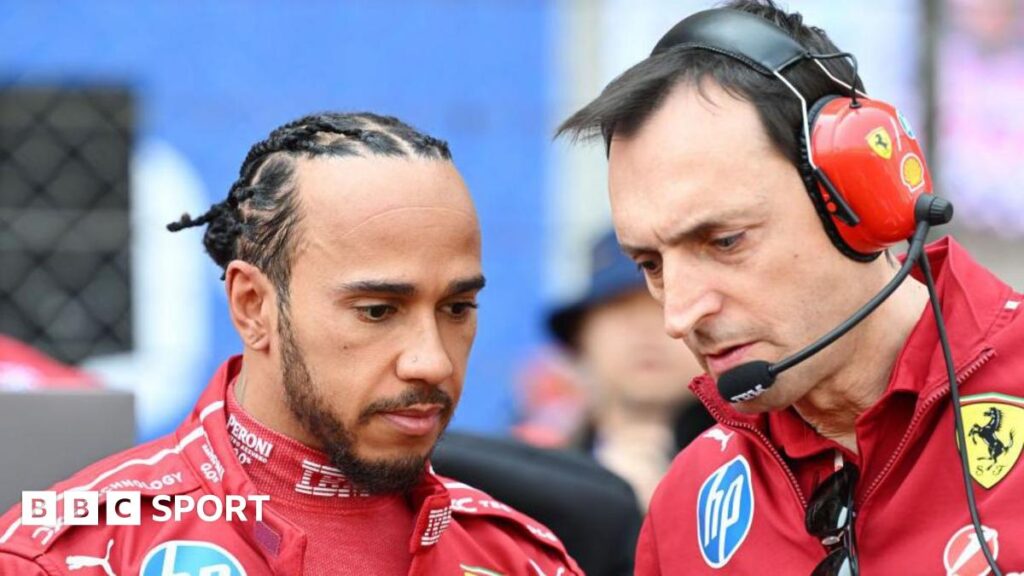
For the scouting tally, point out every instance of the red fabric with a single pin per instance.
(457, 529)
(25, 368)
(370, 527)
(910, 499)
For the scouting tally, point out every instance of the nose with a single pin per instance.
(425, 359)
(687, 300)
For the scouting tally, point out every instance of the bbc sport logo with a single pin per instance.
(124, 508)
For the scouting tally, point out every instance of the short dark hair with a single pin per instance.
(256, 222)
(629, 100)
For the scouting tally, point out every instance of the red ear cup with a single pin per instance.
(871, 171)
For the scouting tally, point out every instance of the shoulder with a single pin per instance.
(494, 523)
(473, 506)
(150, 469)
(716, 450)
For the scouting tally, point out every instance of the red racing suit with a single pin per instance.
(459, 530)
(734, 500)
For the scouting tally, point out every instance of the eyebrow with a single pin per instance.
(696, 229)
(379, 287)
(408, 289)
(473, 284)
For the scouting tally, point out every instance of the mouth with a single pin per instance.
(726, 359)
(417, 420)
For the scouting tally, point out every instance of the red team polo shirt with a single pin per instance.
(733, 502)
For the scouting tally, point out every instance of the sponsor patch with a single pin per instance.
(437, 522)
(725, 511)
(190, 558)
(324, 480)
(912, 172)
(993, 424)
(880, 142)
(963, 555)
(248, 446)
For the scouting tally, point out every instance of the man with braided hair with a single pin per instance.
(351, 257)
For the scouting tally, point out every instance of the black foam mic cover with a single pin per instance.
(746, 381)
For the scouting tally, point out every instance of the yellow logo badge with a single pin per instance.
(912, 171)
(993, 425)
(880, 141)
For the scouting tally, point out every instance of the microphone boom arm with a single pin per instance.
(917, 242)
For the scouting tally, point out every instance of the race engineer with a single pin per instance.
(869, 421)
(351, 256)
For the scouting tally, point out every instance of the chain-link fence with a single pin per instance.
(65, 258)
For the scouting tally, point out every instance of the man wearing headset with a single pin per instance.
(848, 463)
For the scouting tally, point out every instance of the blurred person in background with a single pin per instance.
(836, 460)
(351, 257)
(640, 413)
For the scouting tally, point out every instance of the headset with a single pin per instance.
(865, 174)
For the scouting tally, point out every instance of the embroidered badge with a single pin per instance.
(725, 511)
(993, 424)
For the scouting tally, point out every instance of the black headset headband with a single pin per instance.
(767, 49)
(740, 35)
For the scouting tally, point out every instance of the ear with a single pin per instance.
(252, 303)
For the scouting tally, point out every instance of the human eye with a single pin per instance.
(375, 313)
(461, 309)
(648, 266)
(728, 242)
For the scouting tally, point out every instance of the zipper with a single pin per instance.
(713, 408)
(961, 377)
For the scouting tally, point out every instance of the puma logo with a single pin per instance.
(79, 562)
(717, 434)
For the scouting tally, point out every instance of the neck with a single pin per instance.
(833, 406)
(290, 473)
(260, 392)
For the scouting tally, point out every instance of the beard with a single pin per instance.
(311, 409)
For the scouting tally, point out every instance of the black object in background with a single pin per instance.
(65, 269)
(594, 512)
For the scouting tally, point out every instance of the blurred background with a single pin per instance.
(117, 117)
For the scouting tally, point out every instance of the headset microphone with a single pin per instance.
(751, 379)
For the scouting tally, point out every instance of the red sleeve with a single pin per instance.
(11, 564)
(647, 549)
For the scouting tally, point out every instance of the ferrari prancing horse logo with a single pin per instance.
(992, 423)
(880, 142)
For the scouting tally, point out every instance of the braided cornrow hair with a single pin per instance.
(256, 222)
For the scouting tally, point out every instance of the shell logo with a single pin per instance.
(912, 172)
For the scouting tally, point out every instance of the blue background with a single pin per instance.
(212, 78)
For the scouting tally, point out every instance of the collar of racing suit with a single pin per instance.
(214, 462)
